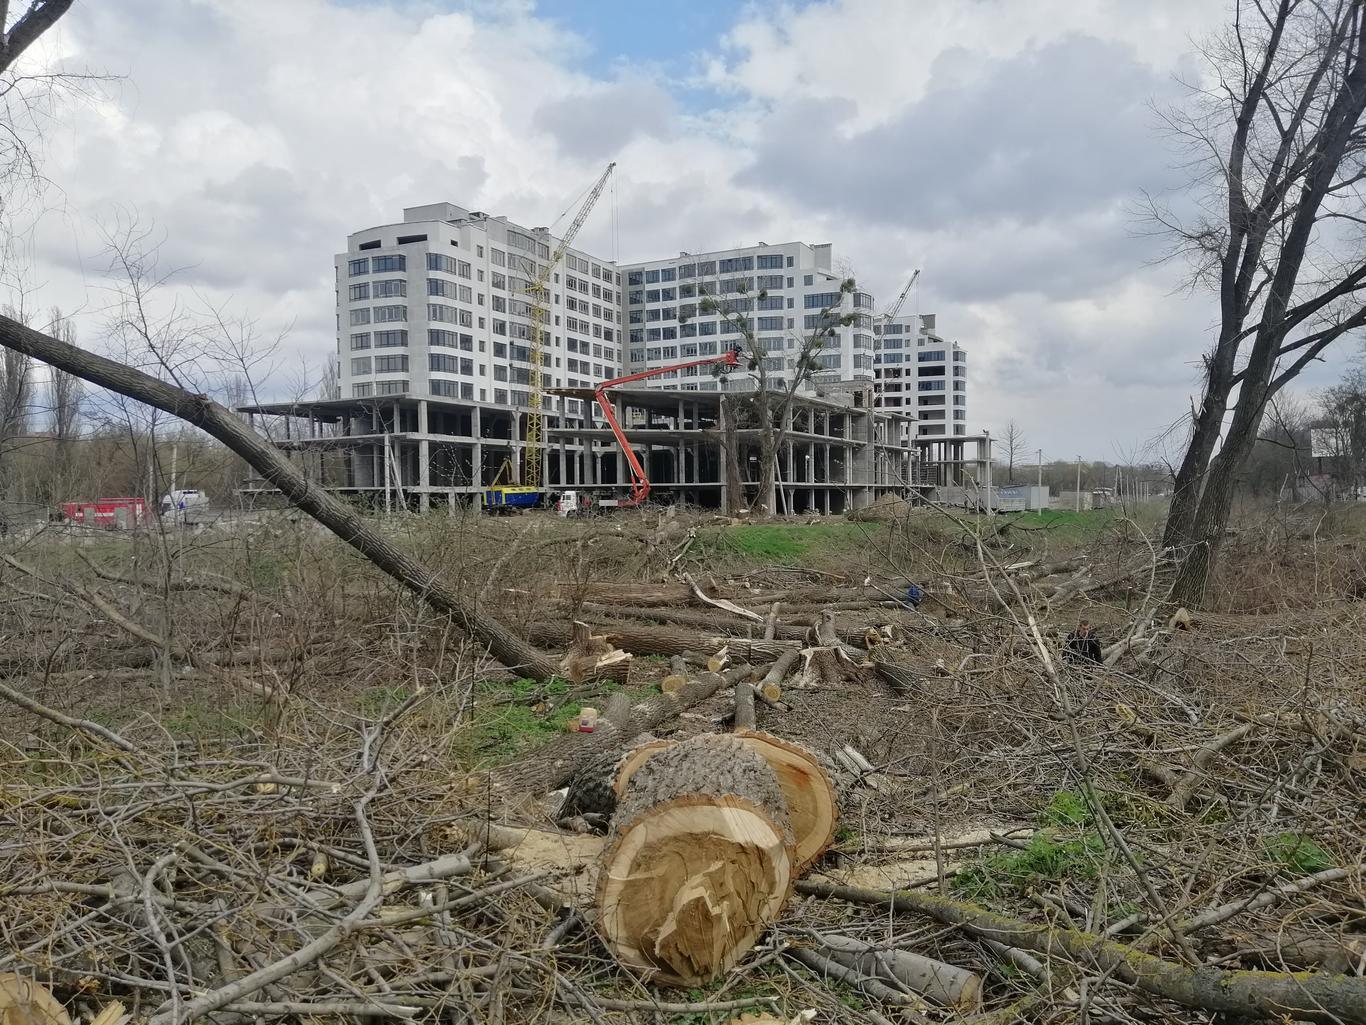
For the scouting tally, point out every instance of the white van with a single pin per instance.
(184, 505)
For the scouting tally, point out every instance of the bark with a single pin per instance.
(219, 422)
(1272, 995)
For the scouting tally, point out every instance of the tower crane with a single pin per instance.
(895, 308)
(536, 292)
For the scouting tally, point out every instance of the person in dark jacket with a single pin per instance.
(1082, 645)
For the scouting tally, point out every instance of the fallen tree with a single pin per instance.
(219, 422)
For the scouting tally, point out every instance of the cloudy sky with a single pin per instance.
(1002, 146)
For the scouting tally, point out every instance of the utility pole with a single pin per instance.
(1078, 492)
(987, 435)
(1040, 467)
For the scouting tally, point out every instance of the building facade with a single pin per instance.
(919, 372)
(781, 291)
(436, 306)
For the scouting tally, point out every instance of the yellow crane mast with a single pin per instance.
(536, 290)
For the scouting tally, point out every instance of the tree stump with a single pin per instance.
(698, 863)
(808, 788)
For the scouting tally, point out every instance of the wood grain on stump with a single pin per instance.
(699, 861)
(812, 801)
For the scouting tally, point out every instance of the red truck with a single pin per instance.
(111, 513)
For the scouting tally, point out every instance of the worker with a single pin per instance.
(1082, 644)
(914, 596)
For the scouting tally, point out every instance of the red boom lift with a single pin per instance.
(640, 483)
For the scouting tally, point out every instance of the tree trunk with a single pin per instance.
(1216, 500)
(1191, 474)
(267, 460)
(730, 457)
(699, 862)
(640, 639)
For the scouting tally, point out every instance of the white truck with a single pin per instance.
(184, 505)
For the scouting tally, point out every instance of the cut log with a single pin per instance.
(633, 759)
(719, 660)
(593, 657)
(808, 788)
(944, 984)
(596, 787)
(678, 675)
(744, 718)
(641, 639)
(698, 864)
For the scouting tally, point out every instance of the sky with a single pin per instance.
(1002, 147)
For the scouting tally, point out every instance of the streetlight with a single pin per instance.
(1078, 493)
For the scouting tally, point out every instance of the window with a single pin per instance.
(773, 261)
(666, 274)
(374, 243)
(652, 277)
(391, 388)
(391, 339)
(440, 338)
(500, 396)
(770, 323)
(362, 391)
(360, 366)
(822, 300)
(389, 314)
(930, 386)
(808, 279)
(359, 292)
(706, 268)
(500, 373)
(497, 257)
(360, 340)
(738, 263)
(444, 364)
(405, 240)
(355, 268)
(391, 364)
(769, 281)
(388, 264)
(361, 316)
(449, 314)
(391, 288)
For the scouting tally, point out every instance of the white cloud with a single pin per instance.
(994, 143)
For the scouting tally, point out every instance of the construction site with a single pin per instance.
(417, 454)
(790, 696)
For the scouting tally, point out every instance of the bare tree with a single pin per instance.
(1014, 442)
(1343, 417)
(776, 377)
(1277, 148)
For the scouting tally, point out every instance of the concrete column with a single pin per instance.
(424, 469)
(422, 416)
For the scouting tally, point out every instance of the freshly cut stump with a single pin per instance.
(812, 800)
(698, 863)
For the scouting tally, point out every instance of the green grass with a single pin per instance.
(1067, 847)
(790, 544)
(1049, 856)
(1298, 853)
(517, 716)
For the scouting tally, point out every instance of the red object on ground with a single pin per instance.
(106, 512)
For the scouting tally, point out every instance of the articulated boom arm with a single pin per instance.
(640, 483)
